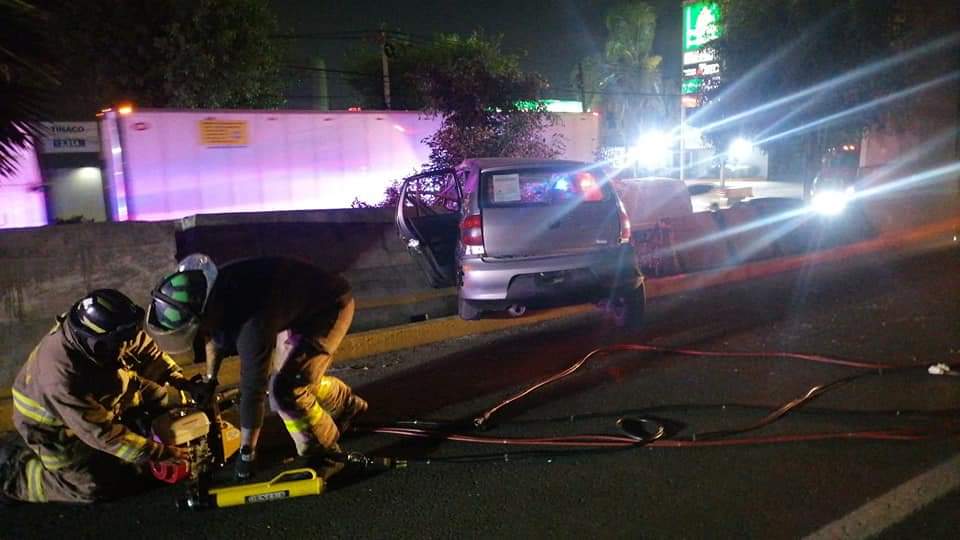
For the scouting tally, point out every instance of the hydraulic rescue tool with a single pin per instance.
(212, 441)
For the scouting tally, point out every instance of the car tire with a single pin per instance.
(468, 311)
(626, 310)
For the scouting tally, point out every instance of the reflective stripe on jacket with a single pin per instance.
(65, 405)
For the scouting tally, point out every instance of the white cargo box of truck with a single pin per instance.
(163, 164)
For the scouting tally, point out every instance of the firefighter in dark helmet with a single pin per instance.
(69, 397)
(250, 308)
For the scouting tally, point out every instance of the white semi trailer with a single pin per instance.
(163, 164)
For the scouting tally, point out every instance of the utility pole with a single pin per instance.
(386, 51)
(321, 93)
(580, 86)
(683, 135)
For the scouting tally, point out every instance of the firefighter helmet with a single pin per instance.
(173, 317)
(101, 322)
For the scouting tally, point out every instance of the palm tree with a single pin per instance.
(625, 80)
(26, 76)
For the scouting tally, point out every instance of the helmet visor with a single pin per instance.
(173, 339)
(204, 264)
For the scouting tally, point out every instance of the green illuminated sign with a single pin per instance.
(691, 86)
(701, 24)
(552, 105)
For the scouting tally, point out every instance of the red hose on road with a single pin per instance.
(482, 419)
(622, 441)
(718, 438)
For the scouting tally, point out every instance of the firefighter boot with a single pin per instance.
(246, 464)
(354, 407)
(326, 461)
(11, 454)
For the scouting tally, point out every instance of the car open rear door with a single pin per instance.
(428, 222)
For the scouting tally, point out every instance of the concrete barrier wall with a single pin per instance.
(771, 228)
(362, 244)
(44, 270)
(693, 252)
(892, 214)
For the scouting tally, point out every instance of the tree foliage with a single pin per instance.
(774, 51)
(169, 53)
(476, 89)
(473, 85)
(625, 81)
(366, 64)
(27, 74)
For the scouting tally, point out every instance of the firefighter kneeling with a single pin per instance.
(94, 366)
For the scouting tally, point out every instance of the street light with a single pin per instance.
(651, 149)
(740, 149)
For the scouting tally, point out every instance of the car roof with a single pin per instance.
(499, 163)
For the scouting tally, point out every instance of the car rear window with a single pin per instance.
(541, 187)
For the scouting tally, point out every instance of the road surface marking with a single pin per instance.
(896, 505)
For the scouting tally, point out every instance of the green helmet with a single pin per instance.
(173, 317)
(178, 298)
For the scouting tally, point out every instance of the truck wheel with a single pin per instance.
(467, 311)
(626, 311)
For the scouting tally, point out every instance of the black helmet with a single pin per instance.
(101, 322)
(173, 317)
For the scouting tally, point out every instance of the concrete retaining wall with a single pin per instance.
(44, 270)
(362, 244)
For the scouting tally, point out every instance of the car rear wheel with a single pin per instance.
(468, 311)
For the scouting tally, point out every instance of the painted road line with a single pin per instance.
(896, 505)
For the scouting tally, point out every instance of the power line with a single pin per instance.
(356, 35)
(327, 70)
(316, 96)
(353, 34)
(613, 92)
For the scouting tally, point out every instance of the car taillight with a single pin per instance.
(587, 185)
(471, 230)
(624, 224)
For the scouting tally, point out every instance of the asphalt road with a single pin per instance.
(904, 313)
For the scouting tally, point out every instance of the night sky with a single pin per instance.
(555, 34)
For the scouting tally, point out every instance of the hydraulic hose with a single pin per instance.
(650, 432)
(485, 416)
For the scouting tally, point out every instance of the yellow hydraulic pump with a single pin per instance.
(288, 484)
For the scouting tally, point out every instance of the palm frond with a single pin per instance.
(26, 78)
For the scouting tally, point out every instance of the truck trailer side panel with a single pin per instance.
(172, 164)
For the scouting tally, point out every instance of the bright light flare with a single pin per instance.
(652, 149)
(740, 149)
(830, 203)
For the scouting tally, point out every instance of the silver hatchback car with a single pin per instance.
(511, 233)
